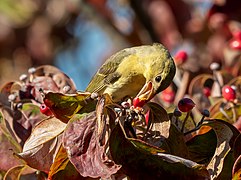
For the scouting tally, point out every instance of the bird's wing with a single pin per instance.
(107, 73)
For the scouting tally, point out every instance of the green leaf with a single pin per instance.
(65, 106)
(140, 160)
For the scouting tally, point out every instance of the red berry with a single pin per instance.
(237, 35)
(235, 44)
(207, 91)
(45, 110)
(138, 102)
(228, 93)
(147, 115)
(185, 105)
(168, 95)
(181, 57)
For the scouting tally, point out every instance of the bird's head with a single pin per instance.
(159, 73)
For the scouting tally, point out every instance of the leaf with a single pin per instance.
(237, 175)
(196, 89)
(229, 114)
(69, 172)
(82, 143)
(160, 121)
(226, 134)
(65, 106)
(25, 119)
(14, 173)
(202, 147)
(8, 146)
(5, 91)
(40, 149)
(62, 167)
(57, 75)
(237, 168)
(169, 135)
(60, 162)
(236, 171)
(140, 160)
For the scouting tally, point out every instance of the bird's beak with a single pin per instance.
(147, 92)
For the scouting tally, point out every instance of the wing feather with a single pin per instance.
(107, 74)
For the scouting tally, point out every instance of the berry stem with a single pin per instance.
(234, 112)
(221, 109)
(205, 114)
(183, 86)
(185, 120)
(217, 77)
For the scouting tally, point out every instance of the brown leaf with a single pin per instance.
(41, 147)
(9, 145)
(82, 143)
(60, 79)
(7, 149)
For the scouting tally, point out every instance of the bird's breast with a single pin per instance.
(126, 86)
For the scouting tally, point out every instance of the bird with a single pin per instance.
(140, 71)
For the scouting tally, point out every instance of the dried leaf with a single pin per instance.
(40, 149)
(138, 159)
(82, 143)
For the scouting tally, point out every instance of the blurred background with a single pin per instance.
(77, 36)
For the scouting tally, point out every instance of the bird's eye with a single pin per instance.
(158, 79)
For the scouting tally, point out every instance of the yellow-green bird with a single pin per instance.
(141, 71)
